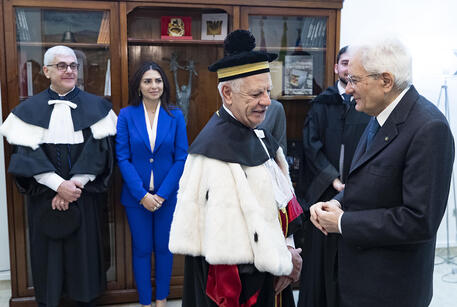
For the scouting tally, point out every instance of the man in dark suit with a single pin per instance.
(332, 130)
(397, 188)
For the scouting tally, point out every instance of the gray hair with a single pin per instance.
(388, 55)
(51, 53)
(234, 84)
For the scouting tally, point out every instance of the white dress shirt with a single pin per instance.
(152, 133)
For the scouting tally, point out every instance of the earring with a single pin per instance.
(139, 93)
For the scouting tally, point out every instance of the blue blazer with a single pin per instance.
(136, 160)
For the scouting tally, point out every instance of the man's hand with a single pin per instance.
(69, 190)
(281, 283)
(338, 185)
(296, 262)
(325, 215)
(58, 203)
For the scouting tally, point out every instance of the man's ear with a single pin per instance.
(387, 81)
(335, 68)
(46, 71)
(227, 94)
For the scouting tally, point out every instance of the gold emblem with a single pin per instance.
(176, 27)
(214, 27)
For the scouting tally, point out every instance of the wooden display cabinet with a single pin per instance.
(112, 38)
(306, 41)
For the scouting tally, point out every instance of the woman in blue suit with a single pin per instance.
(151, 148)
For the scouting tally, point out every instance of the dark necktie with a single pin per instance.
(346, 98)
(373, 127)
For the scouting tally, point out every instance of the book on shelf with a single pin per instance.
(176, 27)
(314, 32)
(310, 31)
(214, 26)
(29, 78)
(298, 75)
(276, 78)
(103, 33)
(323, 34)
(81, 58)
(22, 27)
(107, 91)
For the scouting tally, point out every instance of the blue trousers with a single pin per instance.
(150, 233)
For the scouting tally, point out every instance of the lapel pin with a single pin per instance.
(386, 138)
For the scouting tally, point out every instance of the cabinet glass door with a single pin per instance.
(86, 32)
(305, 41)
(300, 42)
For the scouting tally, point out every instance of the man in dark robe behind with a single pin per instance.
(62, 161)
(330, 136)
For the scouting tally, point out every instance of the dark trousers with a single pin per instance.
(78, 304)
(318, 280)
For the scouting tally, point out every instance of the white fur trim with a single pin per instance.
(220, 207)
(185, 237)
(105, 127)
(18, 132)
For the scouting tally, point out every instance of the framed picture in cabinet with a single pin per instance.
(298, 75)
(214, 26)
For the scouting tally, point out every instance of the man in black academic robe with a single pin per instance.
(62, 161)
(330, 136)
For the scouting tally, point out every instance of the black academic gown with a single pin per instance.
(226, 139)
(74, 265)
(329, 124)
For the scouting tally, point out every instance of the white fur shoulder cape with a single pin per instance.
(18, 132)
(226, 212)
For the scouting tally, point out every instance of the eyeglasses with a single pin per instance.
(62, 66)
(354, 80)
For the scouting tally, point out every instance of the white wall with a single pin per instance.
(429, 29)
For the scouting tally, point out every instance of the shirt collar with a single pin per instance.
(62, 95)
(384, 115)
(228, 111)
(342, 90)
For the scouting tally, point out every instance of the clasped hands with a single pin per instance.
(152, 202)
(67, 192)
(283, 281)
(325, 216)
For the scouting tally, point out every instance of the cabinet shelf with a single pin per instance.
(293, 49)
(71, 45)
(22, 98)
(142, 41)
(297, 97)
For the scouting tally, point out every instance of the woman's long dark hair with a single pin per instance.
(135, 96)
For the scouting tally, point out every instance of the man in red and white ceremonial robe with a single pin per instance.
(236, 211)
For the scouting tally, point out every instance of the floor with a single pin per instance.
(445, 283)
